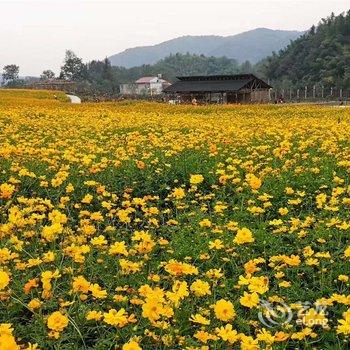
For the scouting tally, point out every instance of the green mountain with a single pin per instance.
(319, 57)
(252, 46)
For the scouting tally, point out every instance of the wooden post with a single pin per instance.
(305, 92)
(314, 92)
(290, 94)
(322, 92)
(341, 93)
(331, 91)
(298, 94)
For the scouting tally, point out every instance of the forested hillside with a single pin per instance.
(179, 64)
(319, 57)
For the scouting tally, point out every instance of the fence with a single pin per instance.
(312, 94)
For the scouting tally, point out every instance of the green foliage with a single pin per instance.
(319, 57)
(47, 74)
(73, 68)
(10, 73)
(101, 78)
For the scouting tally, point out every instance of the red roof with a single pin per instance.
(149, 80)
(144, 80)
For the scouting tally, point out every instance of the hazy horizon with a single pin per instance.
(35, 34)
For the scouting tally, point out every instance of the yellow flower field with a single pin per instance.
(147, 226)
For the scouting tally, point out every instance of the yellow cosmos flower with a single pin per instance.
(217, 244)
(57, 321)
(116, 318)
(97, 291)
(253, 181)
(343, 278)
(227, 333)
(344, 324)
(4, 279)
(197, 318)
(205, 223)
(200, 288)
(224, 310)
(178, 268)
(131, 345)
(196, 179)
(283, 211)
(249, 343)
(7, 340)
(243, 236)
(94, 315)
(250, 300)
(80, 284)
(347, 252)
(178, 193)
(6, 190)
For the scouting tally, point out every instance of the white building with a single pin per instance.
(145, 86)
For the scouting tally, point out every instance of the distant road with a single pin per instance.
(74, 99)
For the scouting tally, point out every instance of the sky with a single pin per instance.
(35, 34)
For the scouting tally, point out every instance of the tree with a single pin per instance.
(101, 77)
(179, 65)
(246, 67)
(319, 57)
(73, 68)
(47, 75)
(10, 73)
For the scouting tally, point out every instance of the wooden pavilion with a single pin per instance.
(241, 88)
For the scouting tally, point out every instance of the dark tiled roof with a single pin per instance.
(206, 86)
(214, 83)
(218, 77)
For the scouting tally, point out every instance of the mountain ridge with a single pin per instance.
(252, 45)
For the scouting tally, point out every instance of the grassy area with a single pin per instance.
(147, 226)
(23, 96)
